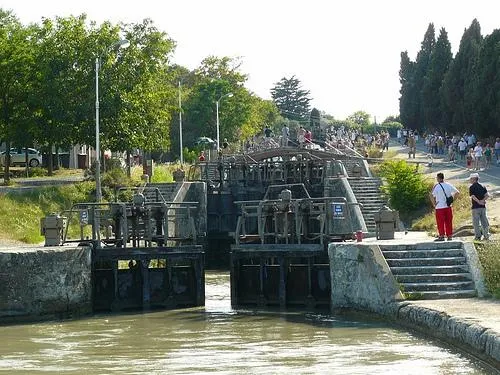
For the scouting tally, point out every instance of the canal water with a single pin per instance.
(218, 339)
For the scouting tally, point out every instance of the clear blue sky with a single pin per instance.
(347, 53)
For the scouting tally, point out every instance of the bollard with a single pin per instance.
(359, 236)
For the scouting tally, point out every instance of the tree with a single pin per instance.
(360, 118)
(421, 67)
(459, 80)
(60, 98)
(391, 119)
(141, 96)
(215, 78)
(434, 114)
(486, 95)
(16, 60)
(291, 100)
(409, 99)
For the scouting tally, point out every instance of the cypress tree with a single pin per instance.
(408, 100)
(487, 88)
(458, 83)
(433, 114)
(421, 66)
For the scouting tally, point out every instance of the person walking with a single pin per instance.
(497, 150)
(412, 146)
(442, 196)
(285, 133)
(478, 156)
(488, 153)
(479, 194)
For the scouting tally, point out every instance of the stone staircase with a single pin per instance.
(431, 270)
(367, 192)
(166, 192)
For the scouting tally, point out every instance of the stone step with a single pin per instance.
(432, 245)
(437, 253)
(434, 278)
(423, 270)
(414, 262)
(370, 200)
(444, 294)
(365, 185)
(437, 286)
(370, 210)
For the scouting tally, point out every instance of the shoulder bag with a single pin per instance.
(449, 199)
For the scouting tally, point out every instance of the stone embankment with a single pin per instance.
(41, 283)
(465, 332)
(362, 280)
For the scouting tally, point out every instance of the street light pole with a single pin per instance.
(180, 124)
(229, 94)
(98, 192)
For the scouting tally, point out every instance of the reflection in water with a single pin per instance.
(219, 339)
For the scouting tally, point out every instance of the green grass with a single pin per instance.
(20, 212)
(461, 213)
(161, 172)
(489, 255)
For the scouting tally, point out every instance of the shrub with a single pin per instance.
(406, 189)
(190, 156)
(374, 152)
(37, 172)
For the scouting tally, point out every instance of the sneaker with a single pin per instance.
(439, 239)
(449, 238)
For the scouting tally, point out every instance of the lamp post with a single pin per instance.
(180, 125)
(98, 194)
(229, 94)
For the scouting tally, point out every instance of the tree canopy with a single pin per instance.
(291, 100)
(453, 94)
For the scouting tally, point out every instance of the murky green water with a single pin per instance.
(219, 339)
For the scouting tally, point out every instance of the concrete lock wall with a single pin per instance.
(43, 283)
(361, 278)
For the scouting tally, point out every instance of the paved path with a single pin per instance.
(485, 312)
(454, 171)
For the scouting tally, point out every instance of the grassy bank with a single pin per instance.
(489, 255)
(461, 213)
(20, 212)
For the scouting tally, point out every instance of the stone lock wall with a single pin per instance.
(45, 282)
(361, 278)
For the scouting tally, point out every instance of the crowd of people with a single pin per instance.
(465, 148)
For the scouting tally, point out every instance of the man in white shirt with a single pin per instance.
(444, 214)
(285, 133)
(462, 148)
(478, 155)
(497, 149)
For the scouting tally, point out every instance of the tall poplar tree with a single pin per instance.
(458, 83)
(408, 101)
(441, 56)
(421, 67)
(487, 93)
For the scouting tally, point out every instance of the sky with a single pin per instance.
(345, 52)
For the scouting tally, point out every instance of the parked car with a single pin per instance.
(18, 157)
